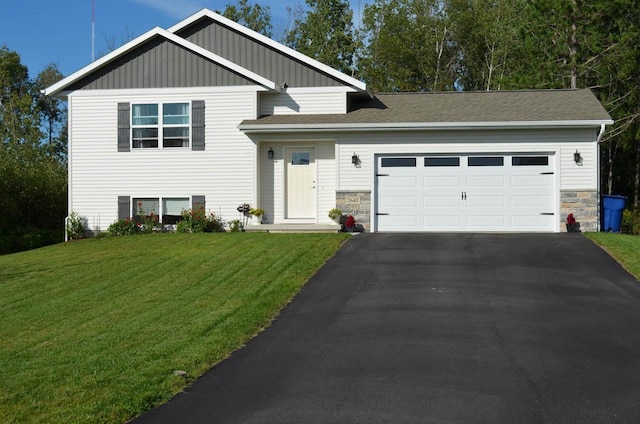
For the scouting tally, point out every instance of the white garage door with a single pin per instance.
(465, 193)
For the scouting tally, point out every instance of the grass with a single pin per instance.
(624, 248)
(91, 331)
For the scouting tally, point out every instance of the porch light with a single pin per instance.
(270, 153)
(576, 157)
(355, 159)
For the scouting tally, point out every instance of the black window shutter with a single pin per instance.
(197, 125)
(197, 202)
(124, 207)
(124, 123)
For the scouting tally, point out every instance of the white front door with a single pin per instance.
(301, 183)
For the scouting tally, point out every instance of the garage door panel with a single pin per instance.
(439, 201)
(531, 222)
(399, 201)
(529, 201)
(529, 181)
(486, 181)
(399, 181)
(497, 196)
(398, 222)
(485, 201)
(441, 182)
(441, 222)
(489, 222)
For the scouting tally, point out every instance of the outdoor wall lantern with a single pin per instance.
(270, 153)
(355, 159)
(576, 157)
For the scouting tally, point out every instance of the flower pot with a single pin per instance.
(256, 220)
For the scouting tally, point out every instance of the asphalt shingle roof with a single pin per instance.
(459, 107)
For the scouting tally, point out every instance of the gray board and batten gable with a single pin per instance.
(160, 63)
(254, 55)
(559, 106)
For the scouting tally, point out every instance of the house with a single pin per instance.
(209, 113)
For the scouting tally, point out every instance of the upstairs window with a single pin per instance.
(152, 122)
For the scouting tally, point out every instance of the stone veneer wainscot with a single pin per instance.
(584, 207)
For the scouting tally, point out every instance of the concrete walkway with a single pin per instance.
(439, 328)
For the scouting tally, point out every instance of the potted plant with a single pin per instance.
(257, 214)
(350, 224)
(335, 214)
(572, 225)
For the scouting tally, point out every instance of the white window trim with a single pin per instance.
(160, 125)
(132, 203)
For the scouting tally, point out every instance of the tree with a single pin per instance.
(52, 112)
(486, 37)
(410, 46)
(256, 17)
(325, 33)
(33, 186)
(19, 121)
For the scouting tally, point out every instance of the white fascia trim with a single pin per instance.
(124, 92)
(60, 85)
(253, 128)
(271, 43)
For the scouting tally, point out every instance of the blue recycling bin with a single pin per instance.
(613, 206)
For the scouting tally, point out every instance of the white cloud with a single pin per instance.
(178, 9)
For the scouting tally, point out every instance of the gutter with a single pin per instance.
(598, 176)
(416, 126)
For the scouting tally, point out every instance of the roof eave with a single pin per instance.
(420, 126)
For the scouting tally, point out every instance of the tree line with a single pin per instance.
(436, 45)
(395, 45)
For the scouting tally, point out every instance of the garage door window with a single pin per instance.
(398, 162)
(486, 161)
(530, 161)
(441, 161)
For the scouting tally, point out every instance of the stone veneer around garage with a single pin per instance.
(583, 205)
(356, 203)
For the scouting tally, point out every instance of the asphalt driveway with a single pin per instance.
(439, 328)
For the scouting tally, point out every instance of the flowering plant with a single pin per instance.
(350, 222)
(570, 219)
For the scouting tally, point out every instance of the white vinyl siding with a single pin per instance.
(273, 180)
(224, 172)
(304, 103)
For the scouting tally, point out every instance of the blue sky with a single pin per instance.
(50, 31)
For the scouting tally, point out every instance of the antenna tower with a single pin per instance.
(93, 30)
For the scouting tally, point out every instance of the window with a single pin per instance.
(486, 161)
(172, 209)
(167, 209)
(151, 122)
(441, 161)
(530, 161)
(300, 158)
(398, 162)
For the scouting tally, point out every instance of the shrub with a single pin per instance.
(630, 222)
(75, 226)
(197, 221)
(123, 227)
(235, 226)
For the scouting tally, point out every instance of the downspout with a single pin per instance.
(598, 183)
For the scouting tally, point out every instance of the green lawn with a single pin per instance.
(92, 330)
(624, 248)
